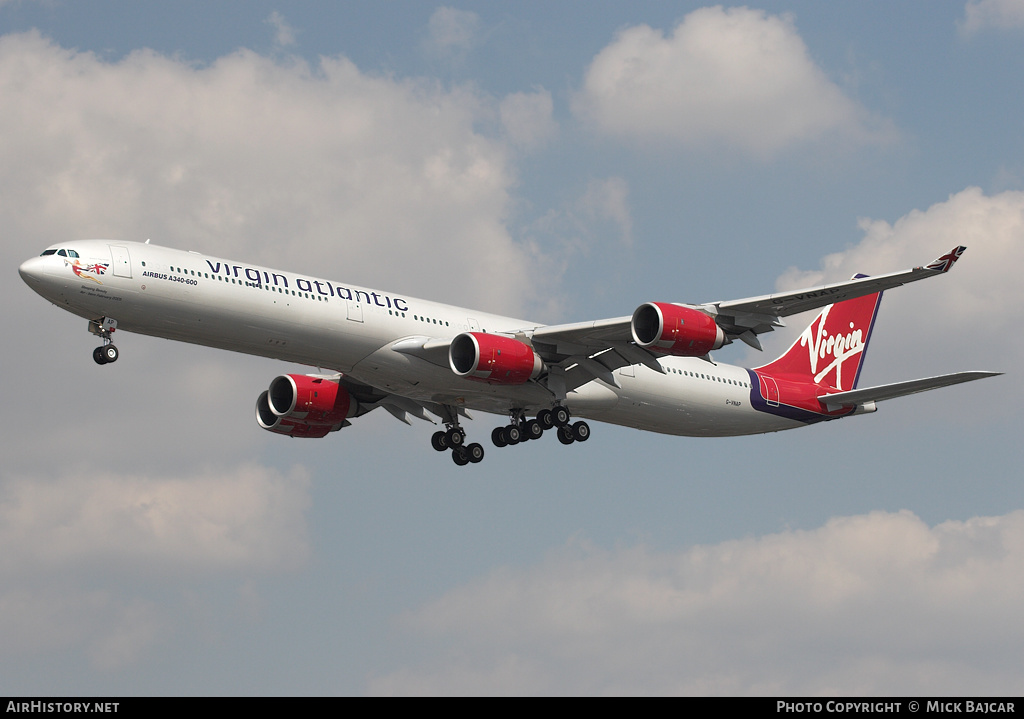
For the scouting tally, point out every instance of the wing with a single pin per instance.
(370, 398)
(583, 351)
(756, 315)
(589, 350)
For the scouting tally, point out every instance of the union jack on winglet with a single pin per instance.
(946, 262)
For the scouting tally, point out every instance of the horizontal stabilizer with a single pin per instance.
(856, 397)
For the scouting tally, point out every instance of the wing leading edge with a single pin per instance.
(762, 314)
(579, 352)
(743, 319)
(609, 342)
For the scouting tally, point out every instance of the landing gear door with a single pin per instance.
(122, 263)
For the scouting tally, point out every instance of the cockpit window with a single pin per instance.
(72, 253)
(62, 253)
(48, 252)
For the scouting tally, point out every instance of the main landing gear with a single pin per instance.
(454, 438)
(520, 429)
(104, 327)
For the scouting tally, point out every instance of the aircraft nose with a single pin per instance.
(31, 270)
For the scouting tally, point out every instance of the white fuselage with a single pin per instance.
(210, 301)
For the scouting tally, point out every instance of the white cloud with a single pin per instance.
(452, 32)
(111, 631)
(284, 34)
(608, 200)
(962, 320)
(596, 222)
(997, 14)
(873, 604)
(734, 77)
(80, 550)
(318, 169)
(527, 118)
(246, 519)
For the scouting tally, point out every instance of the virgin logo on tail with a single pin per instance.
(835, 347)
(831, 350)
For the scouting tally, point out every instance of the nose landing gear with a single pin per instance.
(106, 354)
(104, 327)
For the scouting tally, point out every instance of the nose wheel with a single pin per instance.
(104, 327)
(105, 354)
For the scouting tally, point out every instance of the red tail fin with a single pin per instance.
(831, 350)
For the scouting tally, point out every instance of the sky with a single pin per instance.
(560, 161)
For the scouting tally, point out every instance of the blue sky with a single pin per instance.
(560, 161)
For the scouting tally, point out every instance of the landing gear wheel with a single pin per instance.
(545, 419)
(460, 456)
(110, 354)
(99, 356)
(560, 415)
(533, 429)
(581, 431)
(474, 452)
(438, 441)
(513, 435)
(565, 435)
(498, 437)
(455, 437)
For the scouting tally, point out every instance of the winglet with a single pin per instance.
(946, 262)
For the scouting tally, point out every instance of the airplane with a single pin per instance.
(651, 370)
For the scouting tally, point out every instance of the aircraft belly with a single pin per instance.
(594, 396)
(683, 405)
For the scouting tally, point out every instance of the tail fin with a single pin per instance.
(831, 350)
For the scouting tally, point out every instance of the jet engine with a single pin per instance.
(675, 330)
(305, 406)
(493, 358)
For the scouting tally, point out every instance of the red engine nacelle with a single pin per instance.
(493, 358)
(304, 406)
(675, 330)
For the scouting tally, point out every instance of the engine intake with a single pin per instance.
(493, 358)
(675, 330)
(304, 406)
